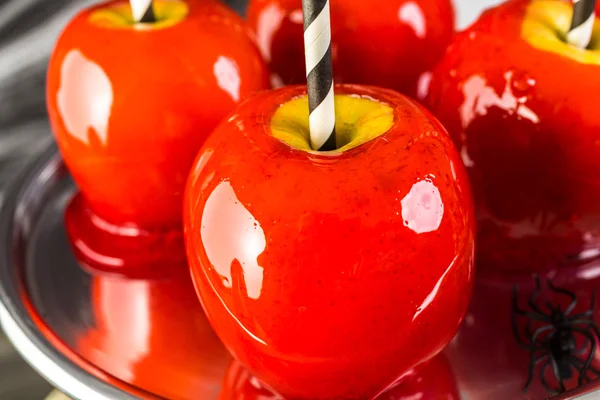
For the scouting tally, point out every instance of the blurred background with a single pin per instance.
(28, 29)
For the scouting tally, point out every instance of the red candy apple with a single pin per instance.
(388, 43)
(131, 104)
(432, 380)
(152, 334)
(330, 275)
(519, 102)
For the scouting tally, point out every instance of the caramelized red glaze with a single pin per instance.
(525, 121)
(152, 334)
(388, 44)
(131, 107)
(330, 275)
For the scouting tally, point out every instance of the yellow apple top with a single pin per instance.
(119, 15)
(546, 25)
(357, 120)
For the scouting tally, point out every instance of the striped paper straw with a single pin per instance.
(582, 24)
(317, 51)
(142, 10)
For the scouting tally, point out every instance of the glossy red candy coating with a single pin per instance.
(433, 380)
(388, 43)
(527, 127)
(330, 276)
(130, 108)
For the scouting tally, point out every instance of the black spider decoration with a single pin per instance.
(554, 341)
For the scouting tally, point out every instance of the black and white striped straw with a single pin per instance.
(582, 23)
(317, 51)
(142, 10)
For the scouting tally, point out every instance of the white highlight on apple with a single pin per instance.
(267, 25)
(433, 294)
(230, 233)
(423, 85)
(479, 97)
(276, 81)
(422, 207)
(411, 14)
(85, 97)
(228, 76)
(297, 17)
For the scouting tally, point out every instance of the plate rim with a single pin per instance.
(15, 320)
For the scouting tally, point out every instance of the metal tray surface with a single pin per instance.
(22, 209)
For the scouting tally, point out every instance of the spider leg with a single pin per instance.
(583, 347)
(532, 316)
(595, 328)
(588, 322)
(588, 339)
(570, 294)
(513, 319)
(539, 331)
(516, 308)
(590, 312)
(579, 363)
(595, 371)
(532, 363)
(528, 330)
(539, 317)
(517, 335)
(557, 376)
(535, 295)
(536, 314)
(551, 307)
(585, 314)
(588, 361)
(548, 388)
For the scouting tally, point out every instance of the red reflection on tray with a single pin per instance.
(153, 334)
(432, 380)
(122, 249)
